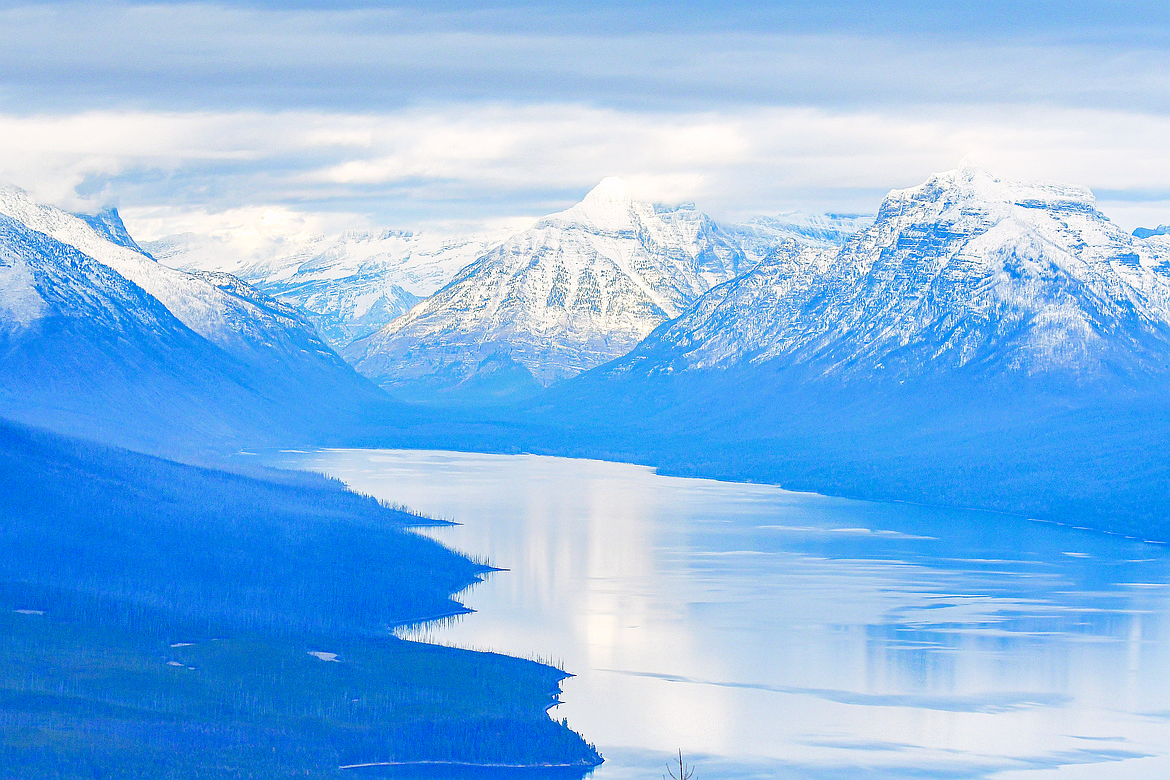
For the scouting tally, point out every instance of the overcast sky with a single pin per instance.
(334, 114)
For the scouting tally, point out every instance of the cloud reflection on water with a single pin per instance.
(793, 635)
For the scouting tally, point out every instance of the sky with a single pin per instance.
(322, 116)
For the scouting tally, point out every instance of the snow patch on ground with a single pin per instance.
(324, 656)
(20, 303)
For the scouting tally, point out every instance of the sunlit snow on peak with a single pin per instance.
(611, 189)
(970, 183)
(606, 208)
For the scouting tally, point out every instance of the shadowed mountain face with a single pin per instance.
(1161, 230)
(578, 289)
(97, 338)
(963, 275)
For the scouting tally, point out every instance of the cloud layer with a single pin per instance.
(471, 163)
(473, 111)
(78, 56)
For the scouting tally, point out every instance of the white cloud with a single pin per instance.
(481, 161)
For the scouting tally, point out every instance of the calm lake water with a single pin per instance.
(790, 635)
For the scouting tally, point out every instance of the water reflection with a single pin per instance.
(776, 634)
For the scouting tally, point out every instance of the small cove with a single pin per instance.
(777, 634)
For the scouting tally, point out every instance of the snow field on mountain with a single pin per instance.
(963, 269)
(580, 287)
(20, 303)
(214, 313)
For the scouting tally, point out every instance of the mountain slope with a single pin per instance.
(983, 344)
(963, 274)
(98, 339)
(348, 287)
(577, 289)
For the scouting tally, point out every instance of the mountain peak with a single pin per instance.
(611, 189)
(578, 289)
(605, 208)
(968, 191)
(978, 184)
(108, 222)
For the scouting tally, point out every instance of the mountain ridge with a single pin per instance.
(348, 287)
(578, 288)
(102, 341)
(964, 272)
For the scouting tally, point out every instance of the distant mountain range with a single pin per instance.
(499, 315)
(576, 290)
(980, 342)
(983, 343)
(964, 275)
(98, 338)
(348, 287)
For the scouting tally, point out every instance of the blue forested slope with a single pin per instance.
(96, 355)
(160, 620)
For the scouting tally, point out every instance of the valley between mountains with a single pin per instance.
(977, 342)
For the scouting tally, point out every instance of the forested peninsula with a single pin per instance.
(171, 621)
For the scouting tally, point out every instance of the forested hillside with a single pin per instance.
(168, 621)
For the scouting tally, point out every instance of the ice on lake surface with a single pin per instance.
(776, 634)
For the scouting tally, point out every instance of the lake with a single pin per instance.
(767, 633)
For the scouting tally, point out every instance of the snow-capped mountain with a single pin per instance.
(963, 273)
(350, 286)
(577, 289)
(96, 333)
(233, 317)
